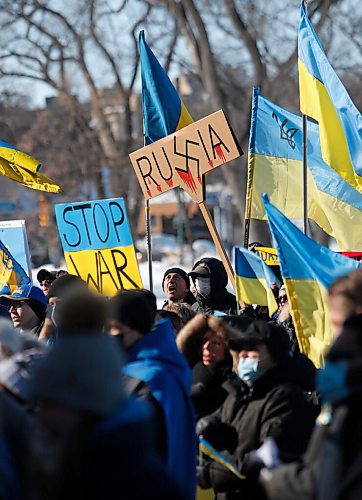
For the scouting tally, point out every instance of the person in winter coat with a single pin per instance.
(90, 440)
(157, 372)
(210, 281)
(331, 469)
(205, 338)
(263, 401)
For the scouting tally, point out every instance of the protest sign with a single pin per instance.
(12, 275)
(13, 236)
(181, 159)
(97, 244)
(269, 255)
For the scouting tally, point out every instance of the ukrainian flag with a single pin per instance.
(275, 166)
(12, 274)
(254, 279)
(308, 269)
(22, 168)
(324, 98)
(163, 111)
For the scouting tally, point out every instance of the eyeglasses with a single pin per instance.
(17, 304)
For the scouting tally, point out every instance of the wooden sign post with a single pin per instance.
(182, 159)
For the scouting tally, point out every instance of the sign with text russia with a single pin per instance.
(97, 244)
(181, 159)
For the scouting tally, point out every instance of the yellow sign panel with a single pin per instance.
(107, 270)
(269, 255)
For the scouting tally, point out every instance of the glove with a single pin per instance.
(331, 382)
(220, 435)
(268, 453)
(265, 456)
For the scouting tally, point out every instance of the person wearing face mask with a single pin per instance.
(263, 402)
(210, 281)
(331, 467)
(157, 372)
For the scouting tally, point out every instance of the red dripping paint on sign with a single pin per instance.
(149, 182)
(199, 179)
(211, 163)
(188, 180)
(149, 192)
(159, 188)
(169, 183)
(220, 153)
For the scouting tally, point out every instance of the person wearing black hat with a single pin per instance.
(210, 280)
(156, 371)
(45, 279)
(263, 401)
(176, 285)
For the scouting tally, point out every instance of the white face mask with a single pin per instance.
(203, 286)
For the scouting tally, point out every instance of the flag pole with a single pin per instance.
(148, 237)
(305, 165)
(149, 244)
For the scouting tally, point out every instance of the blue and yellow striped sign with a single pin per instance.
(97, 244)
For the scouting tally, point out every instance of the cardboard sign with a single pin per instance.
(14, 237)
(181, 159)
(269, 255)
(97, 244)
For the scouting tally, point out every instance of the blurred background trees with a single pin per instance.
(70, 84)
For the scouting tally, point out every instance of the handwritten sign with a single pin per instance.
(181, 159)
(97, 244)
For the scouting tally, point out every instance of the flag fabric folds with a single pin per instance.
(324, 98)
(163, 111)
(308, 269)
(254, 279)
(22, 168)
(275, 166)
(12, 275)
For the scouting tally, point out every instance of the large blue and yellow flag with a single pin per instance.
(12, 275)
(324, 98)
(163, 111)
(254, 280)
(308, 269)
(275, 166)
(22, 168)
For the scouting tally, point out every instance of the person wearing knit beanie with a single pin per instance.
(131, 317)
(176, 285)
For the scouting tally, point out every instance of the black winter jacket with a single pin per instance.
(275, 407)
(207, 392)
(220, 299)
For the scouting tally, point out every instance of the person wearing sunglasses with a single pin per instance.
(27, 306)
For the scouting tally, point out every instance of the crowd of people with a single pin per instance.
(110, 397)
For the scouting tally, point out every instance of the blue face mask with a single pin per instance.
(331, 382)
(248, 370)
